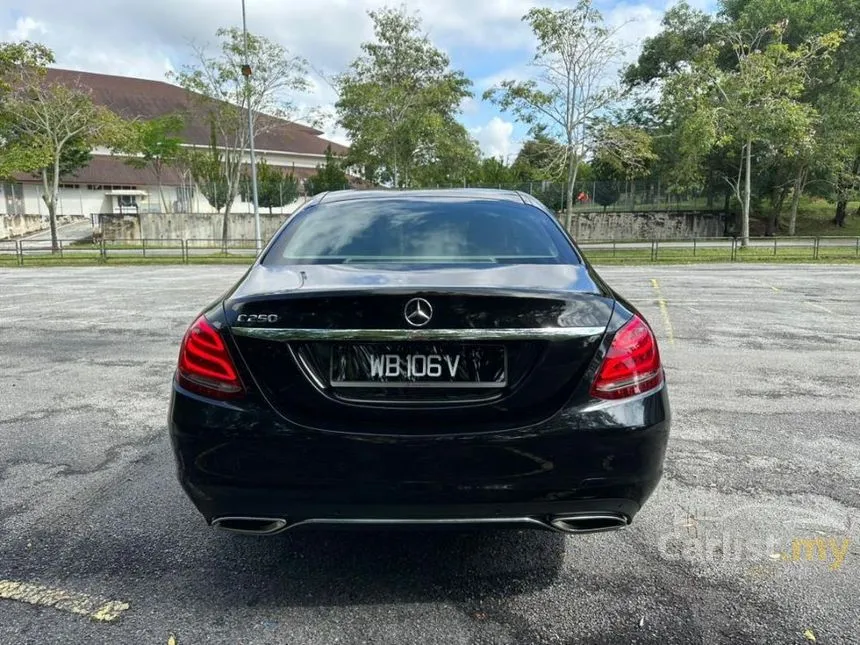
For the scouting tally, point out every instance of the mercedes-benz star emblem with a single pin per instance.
(418, 312)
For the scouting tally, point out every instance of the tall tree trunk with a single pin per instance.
(225, 219)
(52, 221)
(710, 195)
(842, 204)
(799, 180)
(776, 211)
(49, 196)
(572, 169)
(578, 225)
(745, 207)
(161, 195)
(224, 225)
(841, 212)
(232, 188)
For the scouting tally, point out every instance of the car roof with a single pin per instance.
(432, 194)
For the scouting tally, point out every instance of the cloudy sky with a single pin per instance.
(147, 38)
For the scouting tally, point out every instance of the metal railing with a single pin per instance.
(202, 250)
(724, 249)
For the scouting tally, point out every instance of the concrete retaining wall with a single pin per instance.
(15, 225)
(198, 226)
(593, 226)
(647, 226)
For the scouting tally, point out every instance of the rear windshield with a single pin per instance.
(414, 231)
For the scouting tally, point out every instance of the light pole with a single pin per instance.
(246, 72)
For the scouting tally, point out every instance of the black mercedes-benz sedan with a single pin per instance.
(443, 357)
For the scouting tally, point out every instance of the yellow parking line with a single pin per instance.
(770, 286)
(68, 601)
(664, 309)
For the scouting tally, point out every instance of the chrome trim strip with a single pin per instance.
(488, 397)
(453, 385)
(554, 523)
(278, 524)
(550, 333)
(422, 522)
(603, 404)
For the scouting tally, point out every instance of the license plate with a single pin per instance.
(390, 365)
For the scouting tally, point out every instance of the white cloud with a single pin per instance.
(470, 105)
(634, 23)
(495, 139)
(26, 29)
(139, 62)
(327, 32)
(150, 37)
(516, 73)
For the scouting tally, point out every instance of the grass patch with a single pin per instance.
(46, 259)
(814, 218)
(754, 254)
(713, 259)
(794, 250)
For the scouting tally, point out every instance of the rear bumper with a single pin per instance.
(245, 460)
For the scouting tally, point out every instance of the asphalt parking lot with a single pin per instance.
(752, 537)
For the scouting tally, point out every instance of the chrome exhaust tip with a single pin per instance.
(251, 525)
(588, 522)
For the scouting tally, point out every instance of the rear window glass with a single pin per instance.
(415, 231)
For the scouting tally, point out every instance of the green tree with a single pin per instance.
(757, 102)
(17, 55)
(398, 100)
(685, 31)
(623, 154)
(626, 149)
(207, 170)
(329, 176)
(226, 95)
(450, 159)
(493, 172)
(571, 88)
(154, 144)
(824, 161)
(17, 153)
(275, 186)
(536, 159)
(63, 124)
(832, 158)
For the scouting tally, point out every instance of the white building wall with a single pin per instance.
(85, 201)
(71, 201)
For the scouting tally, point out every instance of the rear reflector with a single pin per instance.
(205, 366)
(632, 364)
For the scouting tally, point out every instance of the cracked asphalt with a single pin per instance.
(763, 364)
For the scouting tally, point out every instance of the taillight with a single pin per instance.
(205, 365)
(632, 364)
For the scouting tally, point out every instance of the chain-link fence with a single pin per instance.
(615, 196)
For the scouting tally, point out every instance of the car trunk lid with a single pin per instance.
(333, 346)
